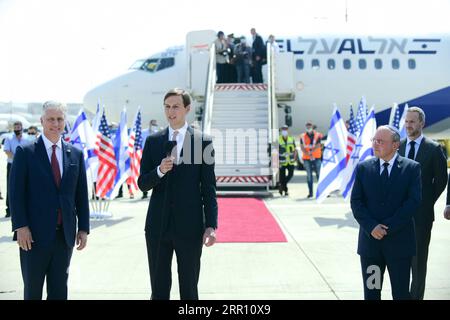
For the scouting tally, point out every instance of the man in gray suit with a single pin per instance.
(434, 178)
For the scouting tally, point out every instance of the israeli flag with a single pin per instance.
(83, 137)
(122, 156)
(363, 150)
(401, 127)
(334, 157)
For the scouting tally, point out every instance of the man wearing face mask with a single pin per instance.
(11, 143)
(32, 134)
(288, 158)
(310, 143)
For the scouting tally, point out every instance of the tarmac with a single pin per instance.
(318, 261)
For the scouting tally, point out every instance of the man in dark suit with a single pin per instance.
(433, 166)
(182, 213)
(48, 194)
(386, 192)
(258, 55)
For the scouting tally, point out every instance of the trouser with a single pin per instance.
(50, 262)
(220, 70)
(243, 73)
(257, 76)
(311, 165)
(285, 179)
(373, 273)
(419, 262)
(160, 253)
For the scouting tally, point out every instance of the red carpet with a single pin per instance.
(247, 220)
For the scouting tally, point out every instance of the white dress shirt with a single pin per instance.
(418, 141)
(391, 164)
(48, 147)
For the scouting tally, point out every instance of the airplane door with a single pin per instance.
(197, 50)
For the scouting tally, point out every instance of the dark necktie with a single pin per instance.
(57, 177)
(412, 150)
(385, 173)
(175, 152)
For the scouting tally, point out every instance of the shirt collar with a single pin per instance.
(181, 131)
(48, 144)
(391, 162)
(418, 140)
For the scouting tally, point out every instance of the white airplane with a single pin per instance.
(326, 69)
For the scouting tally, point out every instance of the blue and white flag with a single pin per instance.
(97, 117)
(401, 126)
(83, 138)
(334, 157)
(121, 153)
(363, 150)
(395, 116)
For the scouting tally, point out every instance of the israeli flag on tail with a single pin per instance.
(401, 126)
(363, 150)
(122, 157)
(334, 157)
(83, 137)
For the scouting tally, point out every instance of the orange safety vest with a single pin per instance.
(311, 145)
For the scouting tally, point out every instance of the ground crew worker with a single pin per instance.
(288, 158)
(310, 143)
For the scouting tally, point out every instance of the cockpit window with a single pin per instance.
(137, 64)
(154, 64)
(165, 63)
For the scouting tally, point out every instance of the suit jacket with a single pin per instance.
(258, 47)
(35, 198)
(433, 166)
(392, 204)
(187, 193)
(448, 192)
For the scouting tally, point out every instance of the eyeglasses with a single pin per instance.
(378, 141)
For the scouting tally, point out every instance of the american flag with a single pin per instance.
(351, 134)
(107, 162)
(135, 151)
(360, 116)
(396, 120)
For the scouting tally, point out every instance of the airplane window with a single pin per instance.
(299, 64)
(331, 64)
(166, 63)
(395, 64)
(347, 64)
(315, 64)
(137, 64)
(378, 64)
(411, 63)
(150, 65)
(362, 63)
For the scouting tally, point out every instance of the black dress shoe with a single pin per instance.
(310, 196)
(8, 215)
(144, 196)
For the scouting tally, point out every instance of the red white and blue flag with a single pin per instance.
(135, 146)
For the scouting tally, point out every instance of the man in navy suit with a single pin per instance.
(48, 198)
(433, 166)
(385, 195)
(182, 213)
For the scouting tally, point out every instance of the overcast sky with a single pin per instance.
(59, 49)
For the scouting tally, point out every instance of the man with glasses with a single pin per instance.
(386, 192)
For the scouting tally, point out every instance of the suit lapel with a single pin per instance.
(43, 158)
(396, 168)
(187, 143)
(66, 151)
(402, 148)
(422, 151)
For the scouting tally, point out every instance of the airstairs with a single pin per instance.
(243, 121)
